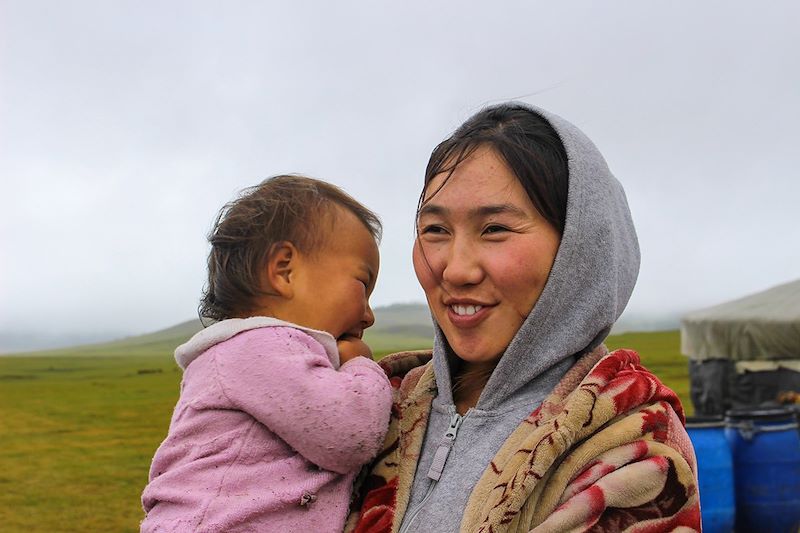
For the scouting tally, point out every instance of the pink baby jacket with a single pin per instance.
(268, 433)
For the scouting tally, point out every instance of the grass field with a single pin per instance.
(78, 430)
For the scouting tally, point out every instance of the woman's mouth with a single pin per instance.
(466, 310)
(467, 315)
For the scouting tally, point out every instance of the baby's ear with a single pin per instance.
(281, 261)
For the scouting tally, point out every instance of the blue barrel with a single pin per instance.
(714, 473)
(765, 445)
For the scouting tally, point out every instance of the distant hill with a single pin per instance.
(397, 327)
(400, 326)
(646, 322)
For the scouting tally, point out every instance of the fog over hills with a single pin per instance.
(118, 146)
(409, 322)
(406, 322)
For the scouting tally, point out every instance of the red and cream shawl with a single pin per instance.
(606, 451)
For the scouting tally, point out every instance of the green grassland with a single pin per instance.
(78, 427)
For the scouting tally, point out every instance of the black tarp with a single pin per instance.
(716, 385)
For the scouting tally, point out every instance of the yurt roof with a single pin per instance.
(763, 326)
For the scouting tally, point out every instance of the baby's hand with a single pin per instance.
(350, 347)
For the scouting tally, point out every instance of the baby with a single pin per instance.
(277, 413)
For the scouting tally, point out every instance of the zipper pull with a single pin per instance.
(440, 457)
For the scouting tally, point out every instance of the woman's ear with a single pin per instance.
(281, 262)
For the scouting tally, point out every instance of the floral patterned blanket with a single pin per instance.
(606, 451)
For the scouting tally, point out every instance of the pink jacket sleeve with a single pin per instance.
(283, 378)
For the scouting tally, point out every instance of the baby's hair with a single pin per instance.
(281, 208)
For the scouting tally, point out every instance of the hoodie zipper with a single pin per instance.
(437, 465)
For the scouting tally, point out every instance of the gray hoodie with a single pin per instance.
(589, 285)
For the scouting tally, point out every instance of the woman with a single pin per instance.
(522, 420)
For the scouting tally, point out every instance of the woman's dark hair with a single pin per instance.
(289, 208)
(525, 141)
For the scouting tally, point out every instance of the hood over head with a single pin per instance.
(589, 285)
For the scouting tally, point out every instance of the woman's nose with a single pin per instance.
(461, 265)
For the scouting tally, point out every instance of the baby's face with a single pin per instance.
(333, 285)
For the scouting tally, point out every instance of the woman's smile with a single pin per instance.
(467, 315)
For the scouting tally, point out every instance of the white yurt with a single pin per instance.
(745, 352)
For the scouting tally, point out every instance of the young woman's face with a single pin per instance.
(483, 255)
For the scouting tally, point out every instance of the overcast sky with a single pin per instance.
(124, 126)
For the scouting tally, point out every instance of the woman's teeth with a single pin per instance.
(467, 310)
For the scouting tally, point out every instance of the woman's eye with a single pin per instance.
(434, 229)
(494, 228)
